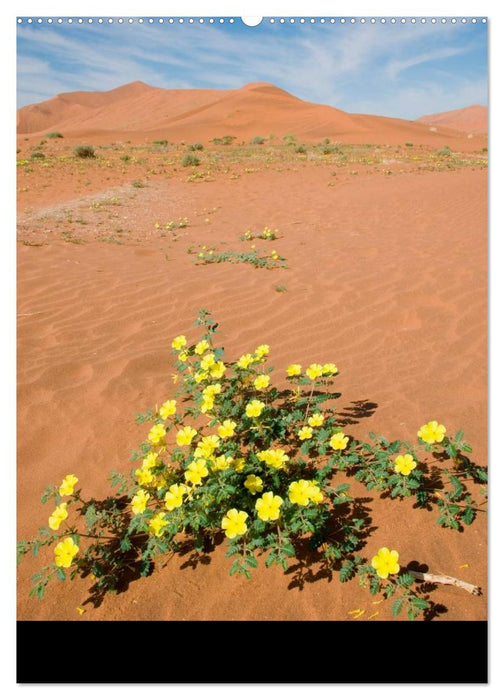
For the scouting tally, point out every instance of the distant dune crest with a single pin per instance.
(470, 119)
(140, 111)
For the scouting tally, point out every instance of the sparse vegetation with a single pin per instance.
(195, 146)
(84, 152)
(54, 135)
(224, 140)
(258, 140)
(37, 155)
(190, 160)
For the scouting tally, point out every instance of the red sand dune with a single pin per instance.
(138, 112)
(472, 119)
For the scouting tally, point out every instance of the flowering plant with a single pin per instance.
(233, 456)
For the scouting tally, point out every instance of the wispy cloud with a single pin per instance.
(346, 66)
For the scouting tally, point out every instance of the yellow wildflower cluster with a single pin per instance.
(277, 459)
(303, 492)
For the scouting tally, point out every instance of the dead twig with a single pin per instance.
(449, 580)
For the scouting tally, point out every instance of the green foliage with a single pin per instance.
(258, 140)
(161, 142)
(190, 159)
(54, 135)
(138, 184)
(195, 146)
(301, 148)
(234, 454)
(37, 155)
(84, 152)
(257, 258)
(224, 140)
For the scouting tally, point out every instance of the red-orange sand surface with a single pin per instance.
(387, 277)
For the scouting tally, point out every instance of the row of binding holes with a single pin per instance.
(272, 20)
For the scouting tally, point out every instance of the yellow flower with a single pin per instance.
(314, 371)
(293, 370)
(245, 361)
(173, 499)
(233, 523)
(221, 462)
(168, 409)
(64, 552)
(299, 492)
(139, 501)
(217, 370)
(157, 524)
(208, 361)
(201, 347)
(254, 408)
(196, 472)
(268, 507)
(273, 458)
(239, 465)
(227, 429)
(432, 432)
(209, 444)
(200, 376)
(179, 342)
(207, 405)
(339, 441)
(305, 433)
(156, 434)
(316, 420)
(329, 368)
(144, 476)
(404, 464)
(185, 435)
(274, 255)
(183, 356)
(254, 484)
(150, 460)
(385, 562)
(67, 485)
(261, 350)
(315, 492)
(212, 390)
(261, 381)
(57, 516)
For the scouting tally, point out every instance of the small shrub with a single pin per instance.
(195, 146)
(445, 151)
(38, 154)
(162, 142)
(54, 135)
(138, 184)
(84, 152)
(259, 140)
(409, 144)
(190, 159)
(300, 149)
(224, 140)
(125, 158)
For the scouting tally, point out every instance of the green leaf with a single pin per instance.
(420, 603)
(468, 515)
(396, 607)
(60, 573)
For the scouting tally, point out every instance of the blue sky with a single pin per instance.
(398, 70)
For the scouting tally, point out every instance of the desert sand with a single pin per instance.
(386, 247)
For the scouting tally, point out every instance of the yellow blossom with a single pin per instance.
(139, 501)
(57, 516)
(261, 381)
(168, 409)
(233, 523)
(173, 499)
(254, 408)
(218, 370)
(227, 429)
(196, 471)
(67, 485)
(268, 507)
(339, 441)
(209, 444)
(156, 434)
(385, 562)
(254, 484)
(239, 465)
(201, 347)
(207, 405)
(64, 552)
(179, 342)
(404, 464)
(299, 492)
(200, 376)
(305, 433)
(212, 390)
(183, 356)
(316, 420)
(207, 361)
(329, 368)
(221, 462)
(185, 435)
(150, 460)
(273, 458)
(293, 370)
(245, 361)
(315, 493)
(144, 476)
(157, 525)
(314, 371)
(432, 432)
(261, 350)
